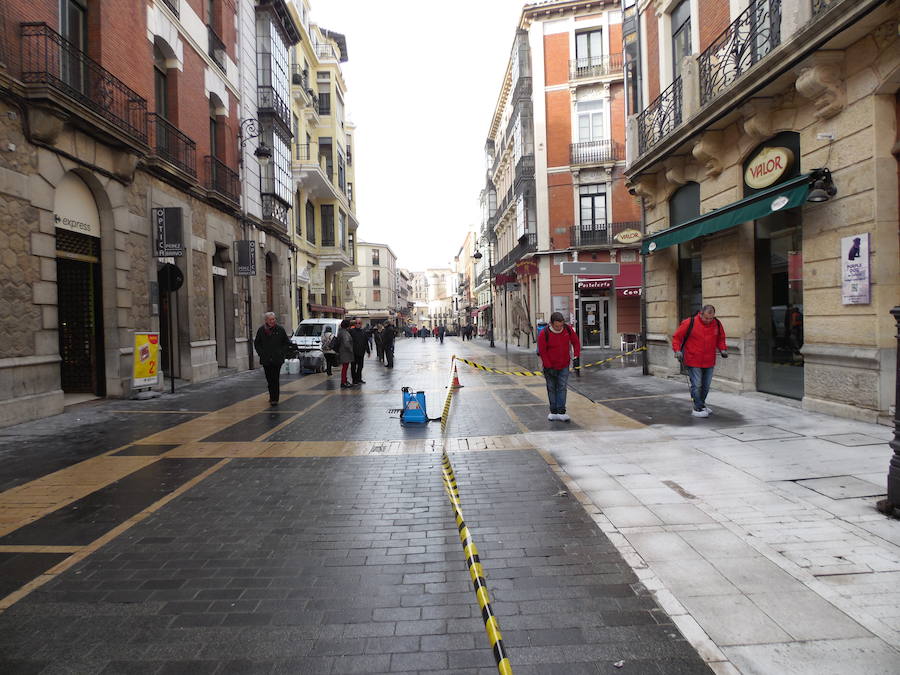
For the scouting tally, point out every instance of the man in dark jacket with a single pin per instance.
(271, 344)
(360, 349)
(387, 342)
(695, 343)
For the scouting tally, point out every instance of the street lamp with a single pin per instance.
(477, 256)
(250, 129)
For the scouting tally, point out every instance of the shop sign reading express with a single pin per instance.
(855, 279)
(768, 167)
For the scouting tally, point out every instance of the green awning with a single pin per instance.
(787, 195)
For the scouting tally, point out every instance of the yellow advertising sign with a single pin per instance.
(146, 360)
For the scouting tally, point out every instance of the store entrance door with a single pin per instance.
(595, 322)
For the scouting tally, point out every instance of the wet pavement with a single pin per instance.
(209, 532)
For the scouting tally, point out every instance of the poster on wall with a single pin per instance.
(855, 278)
(145, 372)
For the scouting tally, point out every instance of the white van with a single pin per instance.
(308, 335)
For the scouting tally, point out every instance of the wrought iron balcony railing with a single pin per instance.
(303, 152)
(274, 210)
(270, 103)
(173, 5)
(523, 89)
(173, 146)
(596, 66)
(216, 47)
(661, 117)
(596, 152)
(328, 238)
(749, 39)
(299, 76)
(221, 179)
(527, 244)
(601, 234)
(49, 59)
(524, 169)
(325, 50)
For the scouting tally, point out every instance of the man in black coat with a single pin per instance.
(360, 349)
(387, 342)
(271, 344)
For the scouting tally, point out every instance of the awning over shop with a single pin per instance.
(787, 195)
(327, 309)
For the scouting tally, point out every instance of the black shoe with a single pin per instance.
(346, 385)
(360, 382)
(273, 402)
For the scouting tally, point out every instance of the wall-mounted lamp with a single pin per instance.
(250, 129)
(823, 187)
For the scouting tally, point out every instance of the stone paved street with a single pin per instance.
(209, 532)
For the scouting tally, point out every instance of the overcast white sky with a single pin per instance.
(422, 81)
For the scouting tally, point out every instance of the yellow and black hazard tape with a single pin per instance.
(535, 373)
(476, 571)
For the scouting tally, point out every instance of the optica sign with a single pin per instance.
(768, 167)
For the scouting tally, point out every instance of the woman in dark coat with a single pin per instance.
(344, 350)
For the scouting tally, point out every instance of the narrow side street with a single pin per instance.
(207, 531)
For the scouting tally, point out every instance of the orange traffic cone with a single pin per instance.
(455, 384)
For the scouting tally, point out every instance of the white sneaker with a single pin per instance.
(552, 417)
(563, 417)
(700, 413)
(707, 410)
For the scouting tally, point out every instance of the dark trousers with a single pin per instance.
(389, 355)
(356, 367)
(272, 373)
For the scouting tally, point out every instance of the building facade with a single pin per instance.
(555, 189)
(763, 143)
(324, 219)
(375, 288)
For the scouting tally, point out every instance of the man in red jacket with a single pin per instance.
(556, 344)
(695, 344)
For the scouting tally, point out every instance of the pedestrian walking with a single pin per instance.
(695, 343)
(360, 349)
(387, 341)
(556, 346)
(271, 344)
(424, 332)
(344, 350)
(379, 344)
(415, 331)
(441, 332)
(370, 336)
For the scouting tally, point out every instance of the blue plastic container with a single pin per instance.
(414, 410)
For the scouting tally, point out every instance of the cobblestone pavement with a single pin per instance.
(210, 532)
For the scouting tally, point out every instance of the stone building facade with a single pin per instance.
(106, 118)
(770, 189)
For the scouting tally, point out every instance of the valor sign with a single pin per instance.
(768, 167)
(628, 236)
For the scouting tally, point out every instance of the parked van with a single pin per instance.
(308, 335)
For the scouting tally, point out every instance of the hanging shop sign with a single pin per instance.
(245, 254)
(855, 277)
(629, 236)
(317, 280)
(167, 232)
(767, 168)
(145, 371)
(629, 292)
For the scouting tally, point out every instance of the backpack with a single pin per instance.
(690, 327)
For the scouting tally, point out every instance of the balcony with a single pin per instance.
(221, 182)
(325, 51)
(270, 103)
(311, 169)
(748, 40)
(275, 211)
(172, 146)
(172, 5)
(603, 234)
(596, 67)
(524, 171)
(216, 48)
(56, 64)
(299, 76)
(661, 117)
(603, 151)
(522, 92)
(527, 244)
